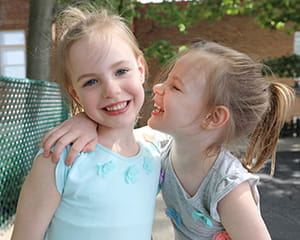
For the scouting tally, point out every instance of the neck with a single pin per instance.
(192, 151)
(191, 161)
(121, 141)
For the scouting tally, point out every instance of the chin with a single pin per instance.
(154, 124)
(150, 122)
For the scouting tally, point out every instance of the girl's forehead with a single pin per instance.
(109, 41)
(193, 70)
(88, 47)
(99, 52)
(198, 61)
(190, 63)
(195, 57)
(99, 40)
(99, 46)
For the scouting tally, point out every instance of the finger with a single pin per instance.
(72, 154)
(79, 146)
(57, 152)
(49, 133)
(61, 144)
(90, 147)
(54, 138)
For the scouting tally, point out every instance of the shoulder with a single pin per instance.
(149, 135)
(60, 169)
(42, 165)
(227, 175)
(230, 169)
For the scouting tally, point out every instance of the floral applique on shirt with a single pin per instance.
(148, 165)
(203, 217)
(222, 236)
(174, 215)
(131, 175)
(104, 169)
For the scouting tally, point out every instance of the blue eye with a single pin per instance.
(90, 82)
(121, 72)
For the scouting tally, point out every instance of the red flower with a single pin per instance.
(221, 236)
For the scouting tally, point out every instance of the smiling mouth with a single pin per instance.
(116, 107)
(157, 109)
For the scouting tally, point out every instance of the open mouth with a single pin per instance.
(116, 107)
(157, 109)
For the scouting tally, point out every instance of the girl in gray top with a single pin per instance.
(213, 96)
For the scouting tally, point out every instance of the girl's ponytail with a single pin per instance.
(263, 141)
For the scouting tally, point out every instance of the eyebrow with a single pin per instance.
(85, 75)
(116, 64)
(178, 79)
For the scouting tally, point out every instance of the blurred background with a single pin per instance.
(268, 30)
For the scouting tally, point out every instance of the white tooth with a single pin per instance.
(156, 106)
(117, 107)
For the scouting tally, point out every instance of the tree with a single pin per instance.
(280, 14)
(273, 14)
(39, 39)
(185, 14)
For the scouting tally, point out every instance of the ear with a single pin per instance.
(216, 118)
(141, 67)
(73, 93)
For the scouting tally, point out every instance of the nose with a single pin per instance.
(158, 89)
(110, 89)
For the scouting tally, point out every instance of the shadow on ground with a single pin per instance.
(280, 196)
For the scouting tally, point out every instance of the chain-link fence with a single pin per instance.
(28, 109)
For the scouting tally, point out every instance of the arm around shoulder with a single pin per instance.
(38, 201)
(240, 215)
(151, 135)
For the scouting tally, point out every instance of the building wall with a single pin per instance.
(14, 14)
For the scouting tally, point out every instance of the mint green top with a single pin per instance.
(106, 196)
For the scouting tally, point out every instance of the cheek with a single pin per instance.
(137, 89)
(141, 91)
(86, 99)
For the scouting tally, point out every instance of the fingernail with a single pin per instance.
(46, 154)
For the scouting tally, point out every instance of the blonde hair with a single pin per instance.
(74, 24)
(258, 107)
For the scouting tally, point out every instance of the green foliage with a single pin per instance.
(185, 14)
(272, 14)
(285, 66)
(275, 14)
(124, 8)
(161, 51)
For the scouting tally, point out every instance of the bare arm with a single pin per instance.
(79, 130)
(38, 201)
(240, 215)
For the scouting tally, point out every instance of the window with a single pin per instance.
(12, 54)
(297, 43)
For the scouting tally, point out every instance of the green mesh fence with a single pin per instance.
(28, 109)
